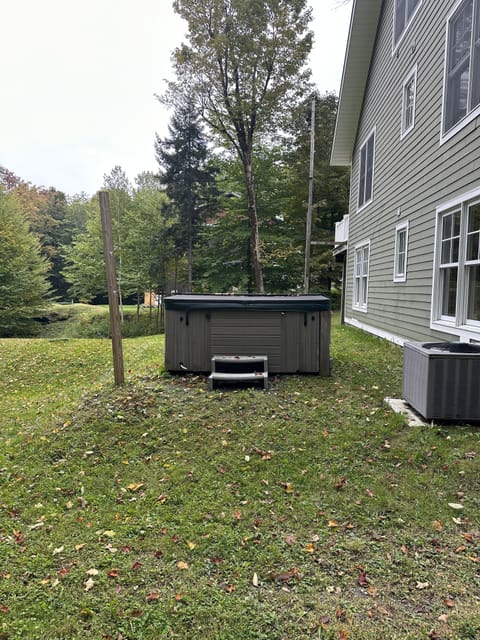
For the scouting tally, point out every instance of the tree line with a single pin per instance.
(226, 209)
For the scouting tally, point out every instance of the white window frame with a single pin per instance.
(366, 201)
(396, 41)
(398, 274)
(360, 277)
(473, 112)
(411, 78)
(458, 324)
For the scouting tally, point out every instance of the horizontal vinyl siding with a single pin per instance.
(412, 176)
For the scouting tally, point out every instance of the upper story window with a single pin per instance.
(365, 186)
(408, 103)
(462, 69)
(404, 11)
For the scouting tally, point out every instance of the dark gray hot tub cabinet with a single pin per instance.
(292, 331)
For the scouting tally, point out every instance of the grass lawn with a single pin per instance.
(162, 510)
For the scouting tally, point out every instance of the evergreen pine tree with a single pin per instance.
(188, 176)
(23, 272)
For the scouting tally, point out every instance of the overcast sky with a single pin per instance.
(78, 81)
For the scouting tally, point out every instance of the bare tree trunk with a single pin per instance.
(190, 259)
(253, 221)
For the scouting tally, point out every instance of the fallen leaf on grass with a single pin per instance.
(286, 576)
(331, 589)
(422, 585)
(182, 565)
(448, 602)
(88, 585)
(255, 580)
(152, 597)
(135, 486)
(92, 572)
(288, 487)
(310, 548)
(455, 505)
(228, 588)
(362, 579)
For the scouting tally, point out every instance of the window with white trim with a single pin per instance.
(404, 12)
(360, 276)
(462, 67)
(365, 182)
(457, 275)
(408, 103)
(401, 250)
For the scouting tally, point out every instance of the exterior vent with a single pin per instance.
(441, 380)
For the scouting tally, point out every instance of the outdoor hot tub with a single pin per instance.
(292, 331)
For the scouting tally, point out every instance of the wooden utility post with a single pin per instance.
(113, 302)
(308, 230)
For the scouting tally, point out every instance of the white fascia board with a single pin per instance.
(361, 41)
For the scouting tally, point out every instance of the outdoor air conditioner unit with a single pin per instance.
(441, 380)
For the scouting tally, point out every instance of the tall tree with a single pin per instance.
(188, 175)
(84, 262)
(148, 246)
(244, 65)
(23, 271)
(225, 258)
(45, 211)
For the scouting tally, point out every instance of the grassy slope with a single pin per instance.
(162, 510)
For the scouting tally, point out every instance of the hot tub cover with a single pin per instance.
(196, 302)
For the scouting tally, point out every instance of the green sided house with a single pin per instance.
(409, 125)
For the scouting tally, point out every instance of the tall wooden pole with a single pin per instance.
(308, 230)
(113, 301)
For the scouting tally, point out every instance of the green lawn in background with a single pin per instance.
(163, 510)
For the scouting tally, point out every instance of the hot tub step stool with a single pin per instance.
(239, 369)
